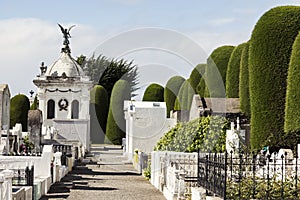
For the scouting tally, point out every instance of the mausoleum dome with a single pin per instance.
(65, 66)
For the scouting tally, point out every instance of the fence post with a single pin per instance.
(282, 187)
(225, 174)
(268, 176)
(206, 173)
(296, 177)
(240, 173)
(253, 173)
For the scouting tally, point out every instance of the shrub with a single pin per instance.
(19, 106)
(116, 125)
(205, 133)
(292, 111)
(171, 91)
(269, 55)
(244, 82)
(34, 105)
(233, 72)
(154, 92)
(196, 75)
(98, 113)
(185, 97)
(216, 71)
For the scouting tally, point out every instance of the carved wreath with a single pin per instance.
(63, 104)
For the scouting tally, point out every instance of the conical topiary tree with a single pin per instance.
(292, 111)
(116, 125)
(185, 97)
(244, 82)
(171, 91)
(233, 72)
(269, 56)
(215, 71)
(154, 92)
(34, 105)
(196, 75)
(98, 113)
(19, 106)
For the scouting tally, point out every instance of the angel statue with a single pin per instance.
(66, 33)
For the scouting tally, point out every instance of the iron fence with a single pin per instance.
(249, 175)
(23, 177)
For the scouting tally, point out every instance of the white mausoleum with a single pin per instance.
(64, 94)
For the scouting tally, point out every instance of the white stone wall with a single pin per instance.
(146, 125)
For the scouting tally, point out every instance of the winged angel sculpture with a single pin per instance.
(66, 33)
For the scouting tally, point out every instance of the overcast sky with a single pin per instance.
(163, 38)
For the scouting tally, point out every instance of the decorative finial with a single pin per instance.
(43, 68)
(66, 33)
(31, 92)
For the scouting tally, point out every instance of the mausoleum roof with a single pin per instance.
(65, 66)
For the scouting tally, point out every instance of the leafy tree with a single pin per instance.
(292, 111)
(98, 113)
(216, 70)
(196, 75)
(116, 125)
(233, 72)
(185, 97)
(106, 72)
(244, 82)
(269, 56)
(171, 91)
(19, 106)
(154, 92)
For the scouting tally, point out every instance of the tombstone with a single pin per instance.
(235, 138)
(35, 128)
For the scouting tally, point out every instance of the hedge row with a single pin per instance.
(269, 54)
(185, 97)
(19, 106)
(154, 92)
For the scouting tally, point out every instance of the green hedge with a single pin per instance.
(201, 87)
(116, 125)
(233, 72)
(98, 113)
(269, 55)
(196, 75)
(185, 96)
(19, 106)
(154, 92)
(292, 108)
(216, 71)
(34, 105)
(171, 91)
(244, 82)
(208, 134)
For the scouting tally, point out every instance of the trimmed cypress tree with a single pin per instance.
(116, 125)
(171, 91)
(269, 55)
(292, 111)
(19, 106)
(154, 92)
(34, 105)
(185, 97)
(244, 82)
(216, 71)
(98, 113)
(233, 72)
(201, 87)
(196, 75)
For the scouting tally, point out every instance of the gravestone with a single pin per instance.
(35, 121)
(235, 137)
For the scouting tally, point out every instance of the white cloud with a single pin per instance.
(25, 43)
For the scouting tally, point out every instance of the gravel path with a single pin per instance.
(115, 179)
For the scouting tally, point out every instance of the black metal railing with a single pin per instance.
(66, 151)
(249, 176)
(23, 177)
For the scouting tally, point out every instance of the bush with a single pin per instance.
(292, 111)
(216, 71)
(269, 55)
(34, 105)
(116, 125)
(19, 106)
(154, 92)
(196, 75)
(244, 82)
(185, 96)
(205, 133)
(171, 91)
(98, 113)
(233, 72)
